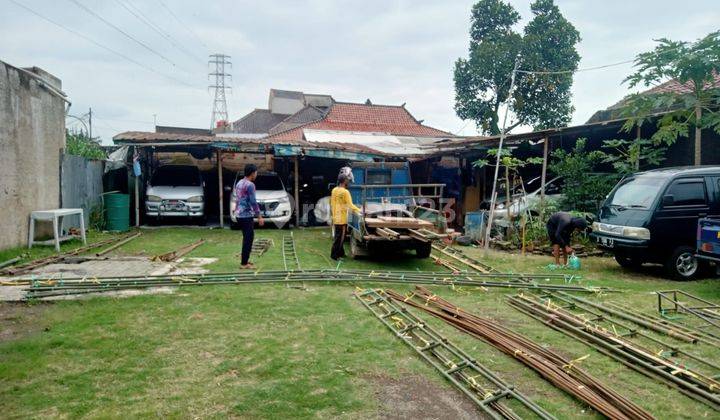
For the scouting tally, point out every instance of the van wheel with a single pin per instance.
(682, 264)
(627, 262)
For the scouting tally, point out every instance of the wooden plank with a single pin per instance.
(387, 233)
(397, 222)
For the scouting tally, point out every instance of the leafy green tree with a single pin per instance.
(79, 144)
(544, 100)
(628, 156)
(584, 187)
(482, 81)
(695, 65)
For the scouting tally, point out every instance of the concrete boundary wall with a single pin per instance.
(32, 136)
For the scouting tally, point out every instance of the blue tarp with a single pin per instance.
(285, 150)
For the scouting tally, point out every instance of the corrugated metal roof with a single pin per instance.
(380, 143)
(258, 121)
(150, 137)
(304, 116)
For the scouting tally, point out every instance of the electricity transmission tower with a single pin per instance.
(220, 75)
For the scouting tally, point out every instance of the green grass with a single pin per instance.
(269, 351)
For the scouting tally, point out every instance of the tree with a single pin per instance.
(80, 144)
(544, 100)
(695, 66)
(584, 187)
(482, 81)
(629, 156)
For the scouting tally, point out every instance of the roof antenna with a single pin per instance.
(367, 102)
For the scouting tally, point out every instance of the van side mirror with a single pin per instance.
(668, 200)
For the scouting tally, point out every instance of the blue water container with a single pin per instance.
(475, 224)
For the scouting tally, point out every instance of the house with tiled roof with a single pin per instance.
(291, 107)
(363, 117)
(290, 113)
(671, 86)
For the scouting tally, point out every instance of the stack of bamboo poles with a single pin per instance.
(561, 372)
(12, 270)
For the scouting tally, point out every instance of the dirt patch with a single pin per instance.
(20, 319)
(415, 397)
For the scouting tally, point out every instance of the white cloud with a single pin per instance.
(389, 51)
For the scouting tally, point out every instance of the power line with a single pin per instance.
(578, 70)
(87, 38)
(112, 25)
(144, 19)
(681, 44)
(127, 120)
(187, 28)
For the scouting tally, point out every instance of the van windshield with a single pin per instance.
(636, 193)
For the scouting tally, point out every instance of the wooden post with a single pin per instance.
(297, 191)
(220, 188)
(137, 195)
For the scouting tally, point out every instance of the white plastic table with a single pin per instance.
(55, 216)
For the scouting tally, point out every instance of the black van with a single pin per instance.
(653, 216)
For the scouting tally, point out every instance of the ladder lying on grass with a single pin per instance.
(290, 259)
(481, 385)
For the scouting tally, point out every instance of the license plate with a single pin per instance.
(607, 242)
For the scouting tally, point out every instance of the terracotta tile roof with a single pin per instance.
(673, 86)
(345, 116)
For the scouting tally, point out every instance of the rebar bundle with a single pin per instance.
(651, 363)
(561, 372)
(621, 325)
(488, 391)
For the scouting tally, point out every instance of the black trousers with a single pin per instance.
(338, 248)
(247, 225)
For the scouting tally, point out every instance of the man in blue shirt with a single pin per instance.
(245, 210)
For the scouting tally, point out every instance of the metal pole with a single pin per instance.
(220, 188)
(137, 196)
(297, 191)
(90, 124)
(497, 161)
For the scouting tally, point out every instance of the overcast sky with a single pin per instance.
(392, 52)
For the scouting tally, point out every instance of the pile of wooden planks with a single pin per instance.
(397, 222)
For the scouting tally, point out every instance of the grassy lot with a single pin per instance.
(271, 351)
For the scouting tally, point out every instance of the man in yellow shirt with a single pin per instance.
(340, 203)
